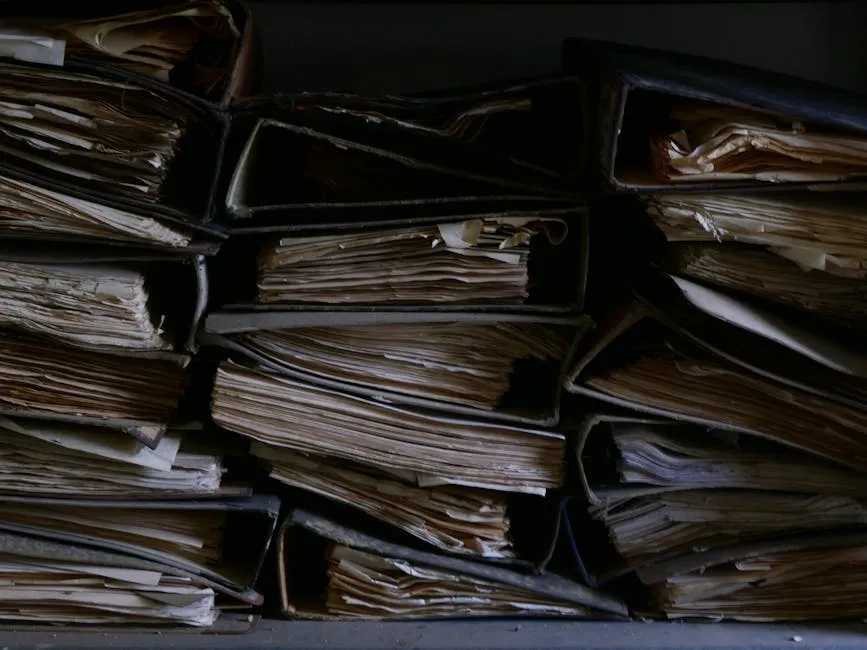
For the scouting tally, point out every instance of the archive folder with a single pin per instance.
(503, 366)
(205, 48)
(664, 488)
(820, 233)
(121, 301)
(536, 122)
(672, 121)
(327, 571)
(534, 262)
(41, 458)
(817, 576)
(304, 170)
(156, 562)
(761, 341)
(424, 446)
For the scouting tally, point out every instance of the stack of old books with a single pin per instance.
(397, 313)
(109, 132)
(728, 466)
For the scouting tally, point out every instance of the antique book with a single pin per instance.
(440, 449)
(463, 521)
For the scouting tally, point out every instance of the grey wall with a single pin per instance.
(408, 47)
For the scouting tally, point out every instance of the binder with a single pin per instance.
(794, 578)
(818, 233)
(205, 48)
(690, 384)
(665, 488)
(532, 262)
(129, 302)
(83, 535)
(182, 134)
(500, 366)
(444, 586)
(536, 122)
(425, 447)
(761, 341)
(506, 529)
(303, 170)
(42, 458)
(667, 121)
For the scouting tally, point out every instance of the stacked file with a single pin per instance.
(405, 362)
(731, 481)
(369, 578)
(114, 504)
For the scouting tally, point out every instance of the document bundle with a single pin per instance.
(723, 452)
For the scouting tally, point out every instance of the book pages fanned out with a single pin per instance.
(820, 232)
(59, 591)
(284, 413)
(465, 521)
(363, 585)
(49, 458)
(792, 584)
(460, 363)
(37, 375)
(471, 261)
(718, 142)
(109, 135)
(156, 41)
(715, 392)
(90, 304)
(759, 272)
(30, 210)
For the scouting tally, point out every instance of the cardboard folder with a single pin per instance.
(311, 587)
(653, 368)
(667, 121)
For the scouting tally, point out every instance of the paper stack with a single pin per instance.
(113, 503)
(406, 362)
(724, 455)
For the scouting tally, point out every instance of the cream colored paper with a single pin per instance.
(726, 143)
(470, 522)
(284, 413)
(471, 261)
(364, 585)
(459, 363)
